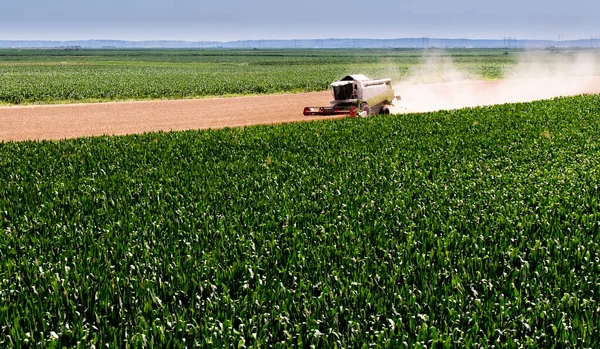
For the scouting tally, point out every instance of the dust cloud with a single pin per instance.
(438, 84)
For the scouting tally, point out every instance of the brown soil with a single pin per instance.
(79, 120)
(118, 118)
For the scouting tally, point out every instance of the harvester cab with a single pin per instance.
(358, 95)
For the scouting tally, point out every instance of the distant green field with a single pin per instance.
(470, 228)
(55, 76)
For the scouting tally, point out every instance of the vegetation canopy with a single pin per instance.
(476, 227)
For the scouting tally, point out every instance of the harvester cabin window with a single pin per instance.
(343, 92)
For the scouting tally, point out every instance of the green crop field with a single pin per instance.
(58, 76)
(66, 76)
(469, 228)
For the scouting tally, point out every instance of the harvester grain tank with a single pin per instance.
(358, 95)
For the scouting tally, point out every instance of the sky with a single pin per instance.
(227, 20)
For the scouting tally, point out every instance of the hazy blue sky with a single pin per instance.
(274, 19)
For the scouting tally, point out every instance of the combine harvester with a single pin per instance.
(358, 95)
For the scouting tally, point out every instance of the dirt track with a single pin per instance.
(79, 120)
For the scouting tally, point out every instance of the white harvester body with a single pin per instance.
(357, 94)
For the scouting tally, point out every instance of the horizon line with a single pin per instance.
(591, 37)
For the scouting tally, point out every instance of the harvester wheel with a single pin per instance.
(385, 110)
(353, 112)
(364, 106)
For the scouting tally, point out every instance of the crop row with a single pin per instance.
(48, 76)
(457, 228)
